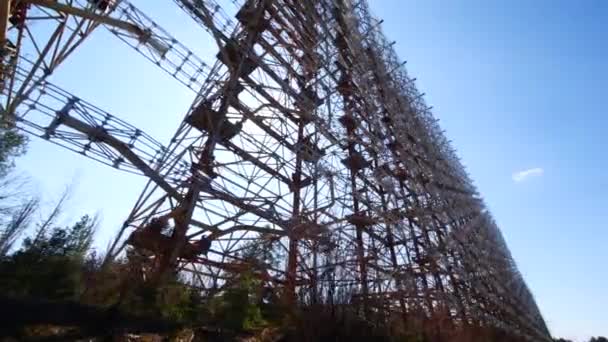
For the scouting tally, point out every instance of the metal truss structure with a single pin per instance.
(306, 136)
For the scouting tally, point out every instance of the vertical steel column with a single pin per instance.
(5, 12)
(292, 261)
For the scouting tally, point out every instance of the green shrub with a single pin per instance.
(238, 307)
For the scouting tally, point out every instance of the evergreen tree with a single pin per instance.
(12, 145)
(49, 266)
(598, 339)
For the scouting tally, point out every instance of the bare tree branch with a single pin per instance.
(18, 224)
(50, 220)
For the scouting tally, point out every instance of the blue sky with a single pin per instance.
(518, 86)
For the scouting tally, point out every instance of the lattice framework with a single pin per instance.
(306, 135)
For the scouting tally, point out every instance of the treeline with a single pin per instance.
(593, 339)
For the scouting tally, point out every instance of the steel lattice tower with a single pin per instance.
(306, 136)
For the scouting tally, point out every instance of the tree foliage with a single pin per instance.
(12, 145)
(48, 265)
(16, 208)
(238, 307)
(598, 339)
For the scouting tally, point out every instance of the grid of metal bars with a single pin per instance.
(307, 135)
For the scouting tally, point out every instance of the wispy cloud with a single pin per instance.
(525, 174)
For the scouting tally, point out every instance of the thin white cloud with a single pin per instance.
(525, 174)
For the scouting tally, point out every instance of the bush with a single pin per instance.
(48, 266)
(238, 307)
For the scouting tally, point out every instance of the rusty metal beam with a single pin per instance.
(87, 14)
(5, 12)
(391, 219)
